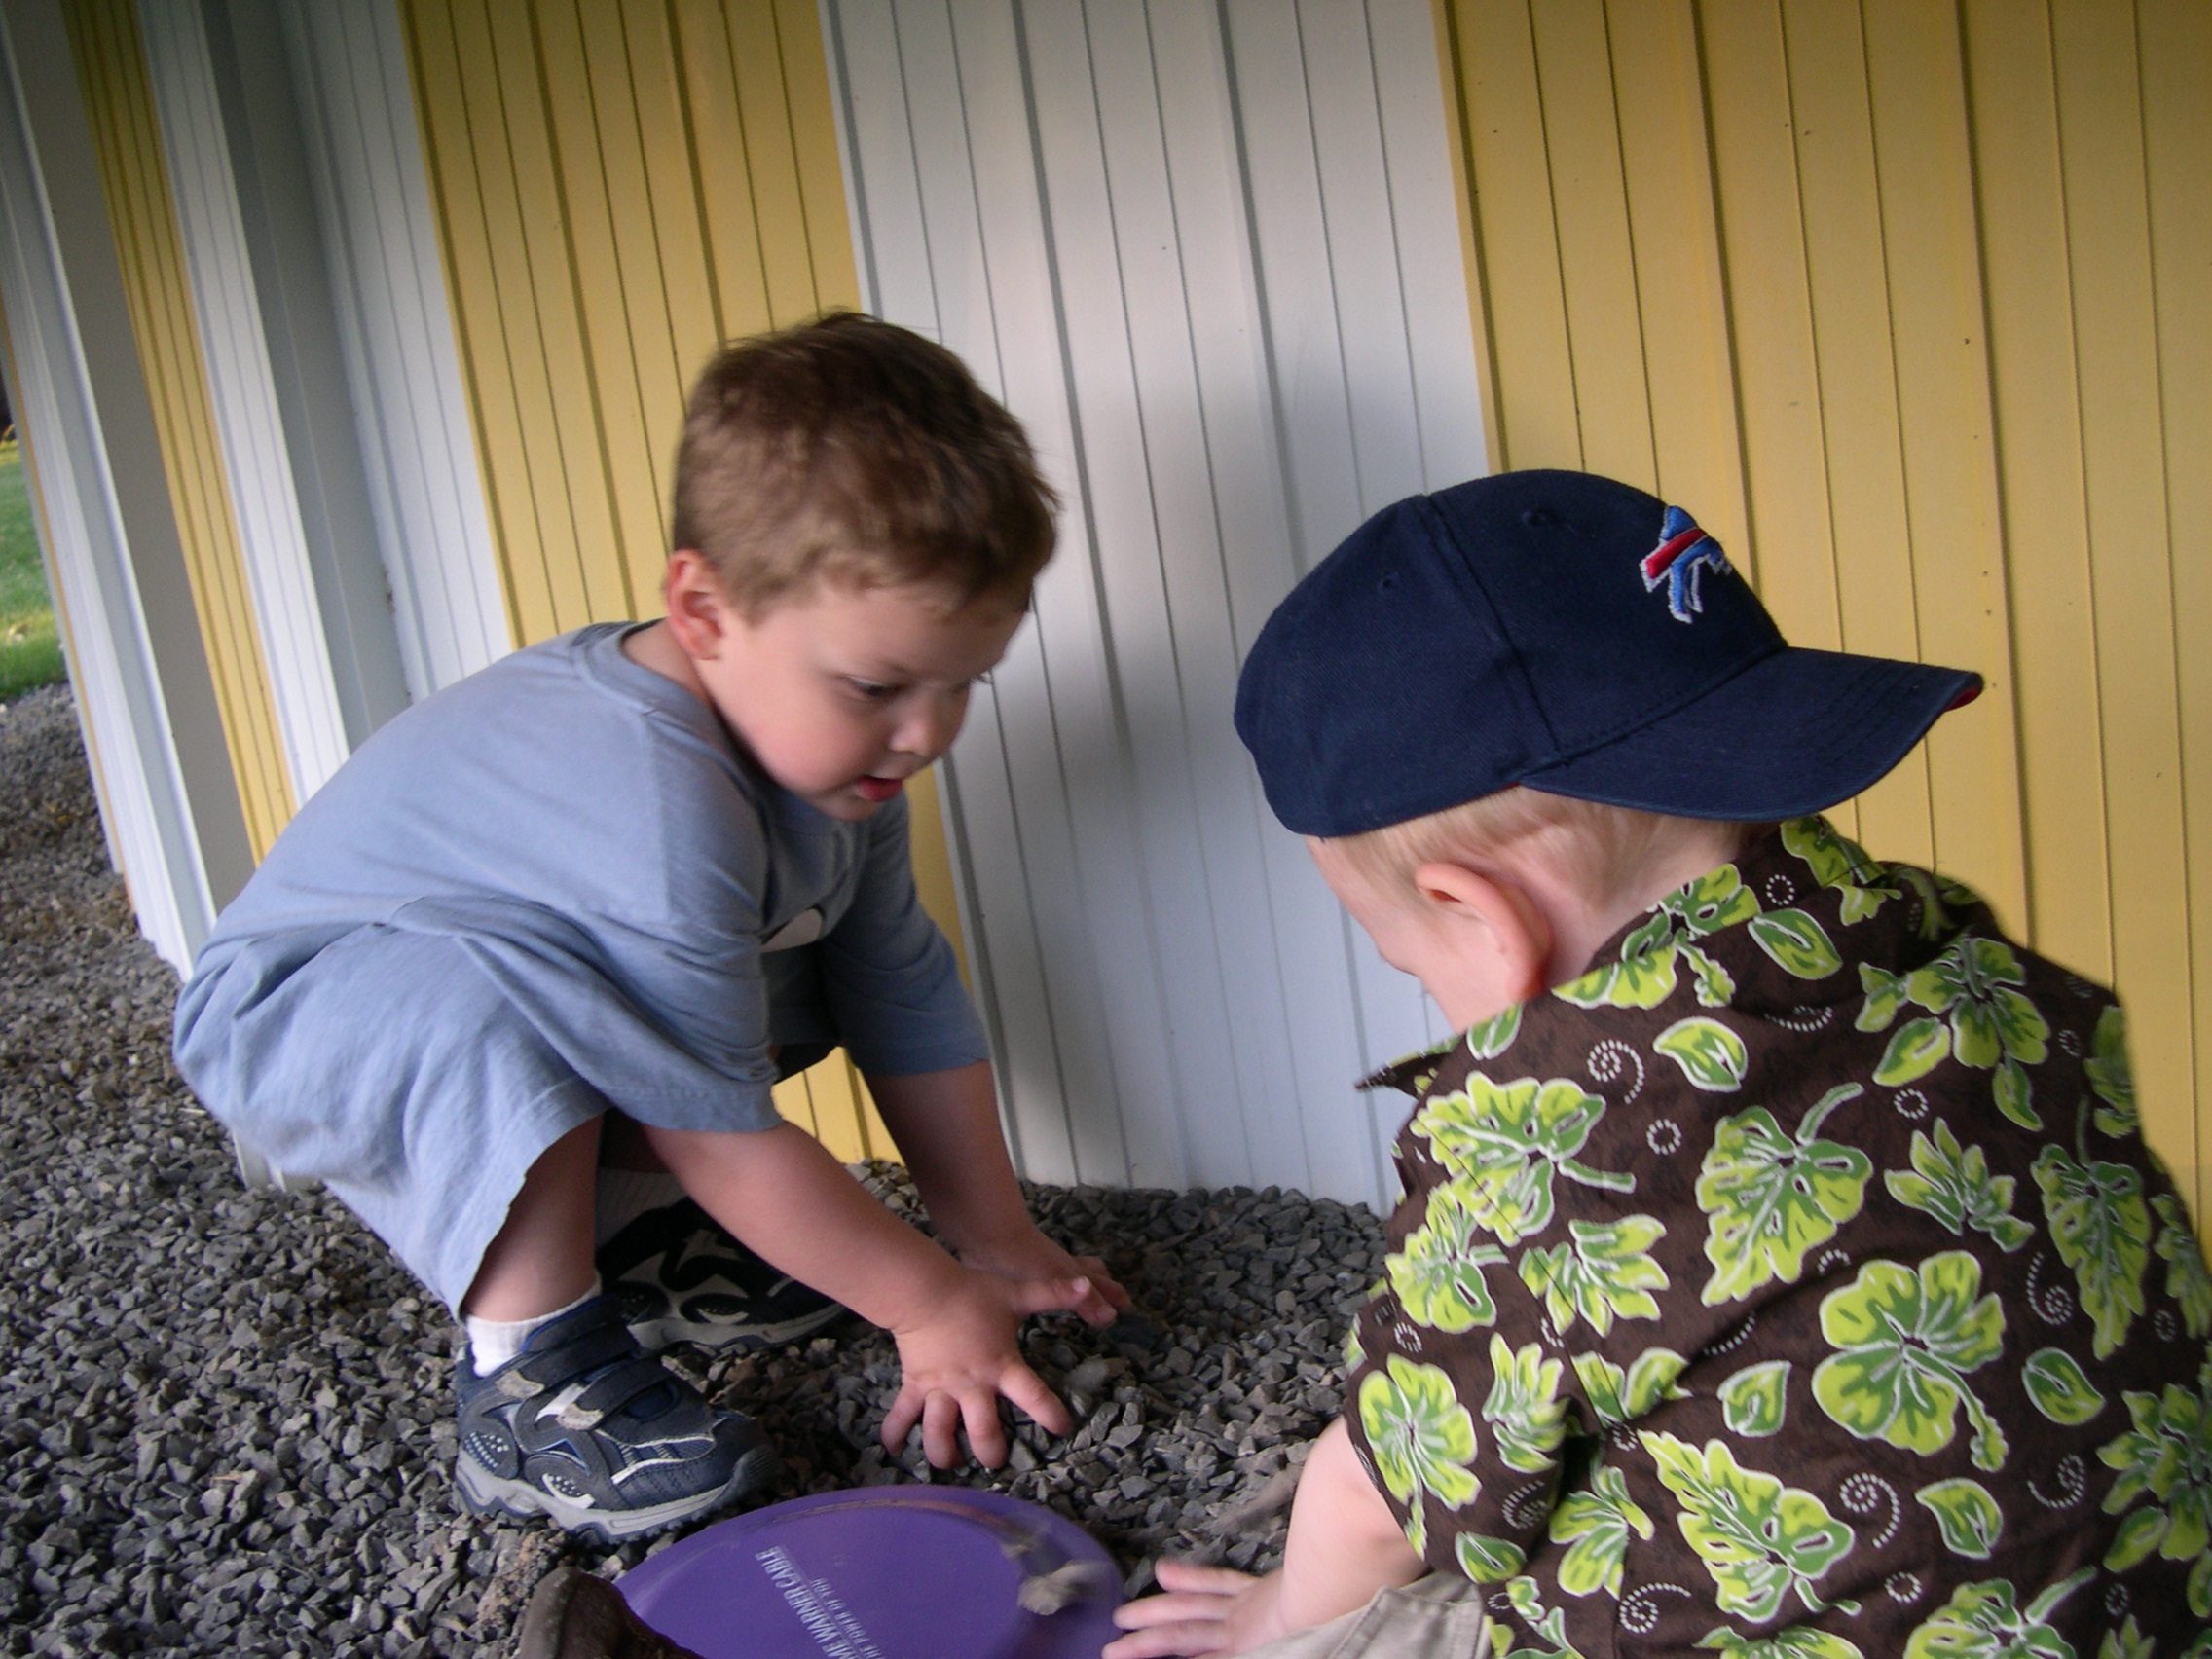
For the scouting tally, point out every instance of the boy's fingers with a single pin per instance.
(898, 1421)
(940, 1430)
(1190, 1638)
(1047, 1296)
(1027, 1390)
(1183, 1607)
(1103, 1281)
(986, 1435)
(1188, 1576)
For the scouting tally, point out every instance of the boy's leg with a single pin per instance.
(561, 1412)
(679, 1276)
(541, 1259)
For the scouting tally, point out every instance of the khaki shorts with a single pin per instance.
(1437, 1617)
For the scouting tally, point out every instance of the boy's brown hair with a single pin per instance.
(851, 449)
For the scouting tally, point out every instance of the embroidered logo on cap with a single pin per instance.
(1683, 551)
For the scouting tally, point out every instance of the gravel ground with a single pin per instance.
(225, 1416)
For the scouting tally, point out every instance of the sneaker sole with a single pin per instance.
(483, 1493)
(654, 1335)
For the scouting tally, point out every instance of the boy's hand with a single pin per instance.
(1206, 1609)
(962, 1355)
(1033, 1257)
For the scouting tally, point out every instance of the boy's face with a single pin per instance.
(841, 693)
(1457, 954)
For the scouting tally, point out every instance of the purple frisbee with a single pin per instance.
(885, 1572)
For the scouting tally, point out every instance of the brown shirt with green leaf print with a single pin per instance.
(1796, 1283)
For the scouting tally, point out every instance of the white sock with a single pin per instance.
(624, 1195)
(491, 1342)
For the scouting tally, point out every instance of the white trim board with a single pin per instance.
(162, 764)
(1210, 256)
(364, 163)
(235, 348)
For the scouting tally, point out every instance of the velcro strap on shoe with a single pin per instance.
(622, 1385)
(587, 1351)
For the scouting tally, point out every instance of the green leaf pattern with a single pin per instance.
(1421, 1438)
(1618, 1396)
(1438, 1276)
(1645, 976)
(1488, 1559)
(1505, 1141)
(1526, 1417)
(2186, 1280)
(1956, 1188)
(1756, 1399)
(1969, 1518)
(2059, 1387)
(1798, 1643)
(1985, 1621)
(1771, 1197)
(2102, 1230)
(1992, 1026)
(1594, 1524)
(1606, 1272)
(1906, 1342)
(1760, 1539)
(1915, 1348)
(2112, 1079)
(1862, 885)
(2165, 1456)
(1712, 1056)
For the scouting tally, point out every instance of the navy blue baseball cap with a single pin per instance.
(1570, 633)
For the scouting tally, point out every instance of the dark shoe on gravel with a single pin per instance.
(681, 1278)
(585, 1428)
(573, 1615)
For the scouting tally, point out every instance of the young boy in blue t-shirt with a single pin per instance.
(517, 982)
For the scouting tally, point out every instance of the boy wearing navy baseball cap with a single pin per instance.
(1781, 1269)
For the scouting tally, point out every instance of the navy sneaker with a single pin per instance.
(681, 1278)
(584, 1427)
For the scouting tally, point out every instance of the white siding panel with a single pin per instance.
(371, 196)
(242, 391)
(1234, 321)
(144, 804)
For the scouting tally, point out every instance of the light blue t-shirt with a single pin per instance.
(566, 857)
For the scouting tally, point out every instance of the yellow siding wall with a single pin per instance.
(620, 189)
(119, 103)
(1912, 306)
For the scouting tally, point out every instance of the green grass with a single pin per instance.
(30, 652)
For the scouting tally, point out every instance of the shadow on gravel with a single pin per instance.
(225, 1416)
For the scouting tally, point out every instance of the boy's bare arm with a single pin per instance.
(787, 1199)
(1345, 1545)
(947, 1124)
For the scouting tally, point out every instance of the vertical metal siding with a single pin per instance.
(363, 156)
(1210, 256)
(242, 394)
(1898, 299)
(111, 66)
(72, 397)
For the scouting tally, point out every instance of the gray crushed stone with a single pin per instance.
(225, 1419)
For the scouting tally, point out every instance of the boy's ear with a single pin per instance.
(699, 612)
(1517, 926)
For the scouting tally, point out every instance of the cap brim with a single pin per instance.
(1794, 733)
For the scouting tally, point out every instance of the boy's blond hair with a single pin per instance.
(857, 450)
(1605, 852)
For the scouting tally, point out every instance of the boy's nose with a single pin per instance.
(930, 727)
